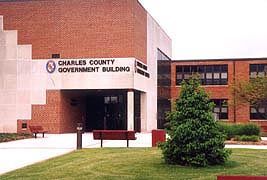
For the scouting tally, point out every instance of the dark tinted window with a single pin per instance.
(220, 108)
(208, 74)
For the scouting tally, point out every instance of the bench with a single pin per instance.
(37, 129)
(114, 135)
(241, 177)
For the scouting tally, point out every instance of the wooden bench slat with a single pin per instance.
(114, 135)
(37, 129)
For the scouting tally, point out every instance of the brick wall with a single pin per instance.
(58, 115)
(72, 112)
(223, 91)
(140, 33)
(47, 115)
(79, 28)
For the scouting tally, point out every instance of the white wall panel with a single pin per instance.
(24, 82)
(10, 81)
(9, 67)
(38, 96)
(15, 80)
(23, 111)
(1, 23)
(11, 37)
(24, 52)
(156, 38)
(7, 96)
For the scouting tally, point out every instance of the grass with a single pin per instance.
(135, 163)
(5, 137)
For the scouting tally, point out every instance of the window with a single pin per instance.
(56, 56)
(220, 108)
(141, 68)
(162, 56)
(208, 74)
(258, 113)
(257, 70)
(164, 69)
(113, 99)
(24, 125)
(254, 71)
(164, 73)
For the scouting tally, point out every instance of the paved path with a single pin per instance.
(17, 154)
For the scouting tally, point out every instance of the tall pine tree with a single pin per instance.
(194, 137)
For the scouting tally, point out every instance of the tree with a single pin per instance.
(253, 92)
(194, 137)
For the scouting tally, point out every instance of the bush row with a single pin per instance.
(247, 138)
(233, 130)
(5, 137)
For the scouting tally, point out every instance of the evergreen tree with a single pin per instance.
(194, 137)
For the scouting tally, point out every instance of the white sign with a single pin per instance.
(86, 65)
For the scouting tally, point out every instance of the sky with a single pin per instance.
(213, 29)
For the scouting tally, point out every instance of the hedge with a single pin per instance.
(247, 138)
(233, 130)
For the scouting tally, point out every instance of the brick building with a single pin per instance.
(104, 63)
(216, 75)
(70, 61)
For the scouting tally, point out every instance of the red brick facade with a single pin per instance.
(57, 115)
(75, 29)
(238, 69)
(78, 28)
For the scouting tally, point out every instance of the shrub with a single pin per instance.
(194, 136)
(249, 129)
(232, 130)
(227, 129)
(252, 138)
(5, 137)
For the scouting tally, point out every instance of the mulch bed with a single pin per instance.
(13, 137)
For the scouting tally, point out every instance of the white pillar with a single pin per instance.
(1, 23)
(143, 112)
(130, 110)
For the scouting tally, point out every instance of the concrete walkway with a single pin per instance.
(17, 154)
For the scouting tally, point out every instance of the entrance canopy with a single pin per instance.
(102, 109)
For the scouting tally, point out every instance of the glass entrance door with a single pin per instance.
(115, 114)
(106, 111)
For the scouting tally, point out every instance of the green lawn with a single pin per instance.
(135, 163)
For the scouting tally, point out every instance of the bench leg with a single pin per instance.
(43, 135)
(35, 135)
(101, 143)
(127, 139)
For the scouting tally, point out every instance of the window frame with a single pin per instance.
(221, 105)
(254, 70)
(257, 116)
(206, 73)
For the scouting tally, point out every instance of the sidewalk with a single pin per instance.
(17, 154)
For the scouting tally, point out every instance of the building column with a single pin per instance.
(1, 23)
(143, 112)
(130, 110)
